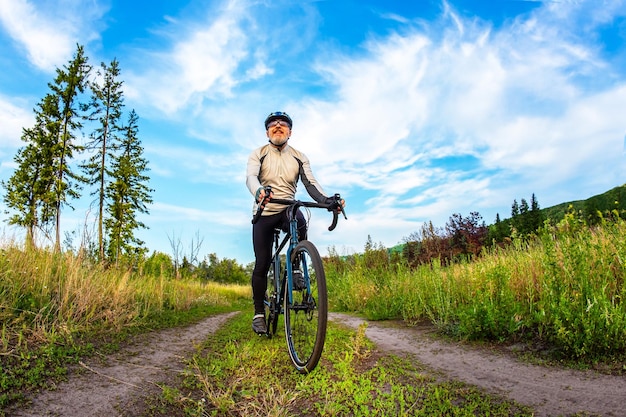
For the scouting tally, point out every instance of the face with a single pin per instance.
(278, 133)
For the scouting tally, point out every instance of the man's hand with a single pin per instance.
(336, 201)
(263, 197)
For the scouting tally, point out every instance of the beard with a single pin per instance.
(279, 139)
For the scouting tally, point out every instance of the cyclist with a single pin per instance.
(278, 165)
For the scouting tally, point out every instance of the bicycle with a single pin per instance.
(304, 303)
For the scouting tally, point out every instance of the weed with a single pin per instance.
(53, 307)
(563, 289)
(239, 374)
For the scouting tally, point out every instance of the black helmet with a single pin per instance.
(278, 115)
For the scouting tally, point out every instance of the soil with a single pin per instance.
(117, 385)
(549, 390)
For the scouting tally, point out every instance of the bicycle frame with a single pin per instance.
(304, 307)
(290, 237)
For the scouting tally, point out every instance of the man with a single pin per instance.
(279, 166)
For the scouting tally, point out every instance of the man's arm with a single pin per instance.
(252, 172)
(311, 185)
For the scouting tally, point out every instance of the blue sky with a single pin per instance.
(412, 110)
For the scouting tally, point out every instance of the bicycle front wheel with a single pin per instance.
(306, 309)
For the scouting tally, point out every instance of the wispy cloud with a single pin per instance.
(13, 117)
(204, 61)
(514, 99)
(417, 120)
(48, 31)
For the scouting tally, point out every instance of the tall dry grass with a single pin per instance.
(46, 295)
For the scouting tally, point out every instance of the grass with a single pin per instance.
(561, 292)
(237, 374)
(57, 308)
(564, 290)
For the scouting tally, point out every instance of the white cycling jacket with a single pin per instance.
(281, 169)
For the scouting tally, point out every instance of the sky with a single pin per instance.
(412, 110)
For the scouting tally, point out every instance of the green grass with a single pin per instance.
(563, 289)
(36, 368)
(561, 292)
(236, 373)
(57, 308)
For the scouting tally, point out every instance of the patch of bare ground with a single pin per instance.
(550, 391)
(118, 384)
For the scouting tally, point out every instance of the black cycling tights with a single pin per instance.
(262, 239)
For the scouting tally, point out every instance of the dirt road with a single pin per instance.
(549, 391)
(117, 385)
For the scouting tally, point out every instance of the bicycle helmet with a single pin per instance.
(278, 115)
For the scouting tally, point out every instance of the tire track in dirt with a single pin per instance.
(119, 384)
(549, 391)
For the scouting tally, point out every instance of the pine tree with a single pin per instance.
(536, 216)
(68, 84)
(127, 195)
(524, 219)
(27, 187)
(515, 216)
(498, 231)
(43, 180)
(523, 207)
(105, 109)
(514, 209)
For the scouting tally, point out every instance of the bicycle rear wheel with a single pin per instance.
(272, 305)
(306, 310)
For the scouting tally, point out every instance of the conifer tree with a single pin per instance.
(536, 216)
(105, 109)
(27, 187)
(524, 218)
(128, 195)
(515, 216)
(514, 209)
(498, 231)
(44, 180)
(523, 207)
(68, 84)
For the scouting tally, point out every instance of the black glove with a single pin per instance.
(333, 202)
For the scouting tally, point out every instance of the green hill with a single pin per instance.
(615, 198)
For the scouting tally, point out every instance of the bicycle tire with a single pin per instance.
(306, 316)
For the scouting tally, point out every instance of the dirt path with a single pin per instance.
(550, 391)
(117, 385)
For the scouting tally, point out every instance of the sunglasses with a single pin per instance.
(278, 122)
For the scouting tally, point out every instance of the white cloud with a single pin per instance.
(196, 166)
(205, 61)
(49, 30)
(517, 99)
(12, 119)
(529, 105)
(510, 97)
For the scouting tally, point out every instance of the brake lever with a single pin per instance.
(336, 208)
(339, 207)
(259, 210)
